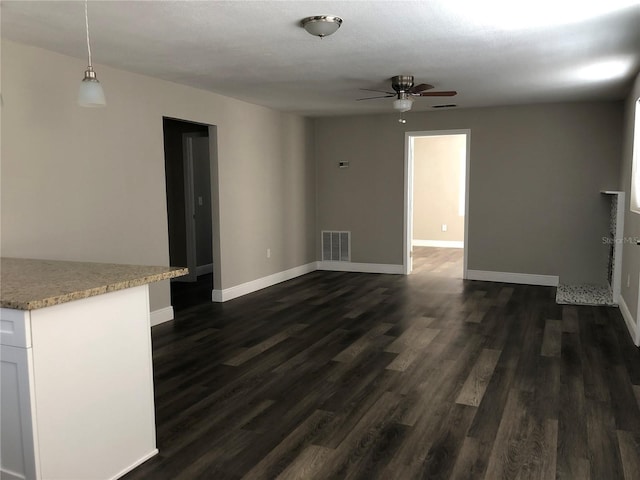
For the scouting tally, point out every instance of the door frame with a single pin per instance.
(409, 138)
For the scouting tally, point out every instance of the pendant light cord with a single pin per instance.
(86, 22)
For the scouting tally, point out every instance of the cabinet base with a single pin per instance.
(151, 454)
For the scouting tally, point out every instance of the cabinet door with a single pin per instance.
(17, 439)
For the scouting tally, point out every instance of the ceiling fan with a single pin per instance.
(405, 90)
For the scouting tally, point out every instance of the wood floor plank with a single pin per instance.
(417, 326)
(548, 454)
(413, 350)
(636, 392)
(307, 464)
(353, 350)
(491, 408)
(547, 392)
(552, 341)
(477, 381)
(444, 449)
(604, 453)
(444, 383)
(529, 361)
(570, 323)
(505, 295)
(470, 462)
(623, 400)
(629, 444)
(251, 352)
(351, 404)
(476, 316)
(353, 451)
(319, 351)
(276, 461)
(573, 451)
(517, 444)
(435, 427)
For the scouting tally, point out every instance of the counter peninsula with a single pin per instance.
(77, 376)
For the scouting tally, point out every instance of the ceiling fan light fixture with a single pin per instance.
(321, 25)
(403, 104)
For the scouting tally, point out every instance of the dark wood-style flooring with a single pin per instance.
(361, 376)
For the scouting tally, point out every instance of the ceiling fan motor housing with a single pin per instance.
(402, 83)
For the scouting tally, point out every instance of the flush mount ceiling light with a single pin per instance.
(91, 93)
(321, 25)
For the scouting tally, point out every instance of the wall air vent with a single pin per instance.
(448, 105)
(336, 246)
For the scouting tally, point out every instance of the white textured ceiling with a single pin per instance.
(493, 52)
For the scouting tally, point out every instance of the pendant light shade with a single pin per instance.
(91, 93)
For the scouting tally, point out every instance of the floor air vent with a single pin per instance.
(336, 246)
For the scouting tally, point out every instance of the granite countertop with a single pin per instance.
(28, 284)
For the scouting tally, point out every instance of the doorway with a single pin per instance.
(189, 209)
(436, 192)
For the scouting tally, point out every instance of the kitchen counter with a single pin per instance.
(77, 371)
(28, 284)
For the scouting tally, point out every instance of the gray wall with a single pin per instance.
(436, 187)
(535, 176)
(631, 251)
(89, 184)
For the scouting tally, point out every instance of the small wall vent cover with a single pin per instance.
(336, 246)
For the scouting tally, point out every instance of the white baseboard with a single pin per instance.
(632, 325)
(508, 277)
(162, 315)
(361, 267)
(264, 282)
(260, 283)
(204, 269)
(438, 243)
(9, 475)
(139, 462)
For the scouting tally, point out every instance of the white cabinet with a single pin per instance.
(18, 455)
(77, 388)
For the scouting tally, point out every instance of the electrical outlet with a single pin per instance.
(444, 227)
(628, 280)
(268, 253)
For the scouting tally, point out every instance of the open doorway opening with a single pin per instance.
(436, 201)
(189, 209)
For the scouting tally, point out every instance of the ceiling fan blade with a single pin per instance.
(420, 88)
(449, 93)
(381, 96)
(381, 91)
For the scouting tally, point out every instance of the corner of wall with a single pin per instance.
(632, 324)
(161, 315)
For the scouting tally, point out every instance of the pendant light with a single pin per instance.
(90, 93)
